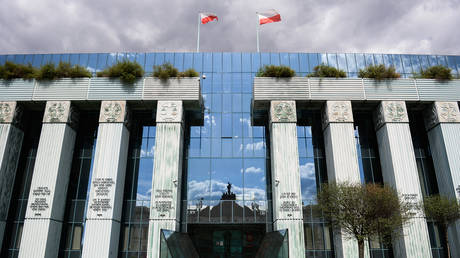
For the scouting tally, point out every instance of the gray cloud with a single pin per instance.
(392, 26)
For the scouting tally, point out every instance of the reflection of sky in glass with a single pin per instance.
(306, 163)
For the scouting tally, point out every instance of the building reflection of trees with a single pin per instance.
(227, 210)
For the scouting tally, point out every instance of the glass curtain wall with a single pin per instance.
(78, 191)
(313, 173)
(138, 186)
(427, 176)
(369, 167)
(18, 204)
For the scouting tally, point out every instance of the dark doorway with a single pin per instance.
(226, 241)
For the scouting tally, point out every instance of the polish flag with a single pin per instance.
(269, 16)
(207, 17)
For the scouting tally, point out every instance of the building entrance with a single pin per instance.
(226, 241)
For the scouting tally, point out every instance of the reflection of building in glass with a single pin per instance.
(210, 164)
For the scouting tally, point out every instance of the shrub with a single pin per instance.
(66, 70)
(165, 71)
(47, 72)
(437, 72)
(12, 71)
(379, 72)
(189, 73)
(127, 71)
(275, 71)
(323, 70)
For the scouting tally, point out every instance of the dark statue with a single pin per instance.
(229, 195)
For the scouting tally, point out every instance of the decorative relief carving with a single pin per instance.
(283, 111)
(56, 112)
(169, 111)
(337, 112)
(390, 112)
(442, 112)
(114, 112)
(10, 112)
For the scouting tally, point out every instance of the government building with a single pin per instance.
(222, 165)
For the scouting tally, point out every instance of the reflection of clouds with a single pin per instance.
(202, 189)
(309, 192)
(262, 179)
(253, 170)
(255, 146)
(307, 171)
(148, 153)
(208, 119)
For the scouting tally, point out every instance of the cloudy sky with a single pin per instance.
(385, 26)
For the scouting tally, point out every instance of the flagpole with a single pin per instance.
(198, 37)
(257, 29)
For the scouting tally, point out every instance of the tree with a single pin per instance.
(443, 210)
(364, 211)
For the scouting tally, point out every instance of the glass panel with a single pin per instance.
(227, 63)
(179, 61)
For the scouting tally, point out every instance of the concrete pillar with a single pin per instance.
(341, 160)
(167, 179)
(11, 137)
(102, 229)
(399, 170)
(48, 190)
(286, 191)
(443, 125)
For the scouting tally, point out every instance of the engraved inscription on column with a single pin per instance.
(289, 203)
(412, 200)
(39, 202)
(163, 202)
(101, 201)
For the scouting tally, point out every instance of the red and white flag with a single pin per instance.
(269, 16)
(207, 17)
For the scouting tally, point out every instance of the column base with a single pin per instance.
(35, 244)
(412, 241)
(295, 235)
(101, 238)
(155, 227)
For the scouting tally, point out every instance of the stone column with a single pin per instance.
(341, 160)
(48, 190)
(102, 229)
(399, 170)
(443, 126)
(286, 191)
(11, 137)
(167, 179)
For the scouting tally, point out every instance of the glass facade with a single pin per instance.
(226, 150)
(18, 204)
(138, 186)
(78, 191)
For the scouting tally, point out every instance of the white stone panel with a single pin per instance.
(341, 160)
(167, 179)
(48, 190)
(399, 170)
(106, 191)
(286, 191)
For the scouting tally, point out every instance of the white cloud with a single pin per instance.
(423, 26)
(253, 170)
(215, 189)
(255, 146)
(148, 153)
(307, 171)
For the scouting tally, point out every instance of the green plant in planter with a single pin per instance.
(379, 72)
(11, 70)
(47, 72)
(437, 72)
(165, 71)
(189, 73)
(127, 71)
(66, 70)
(275, 71)
(323, 70)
